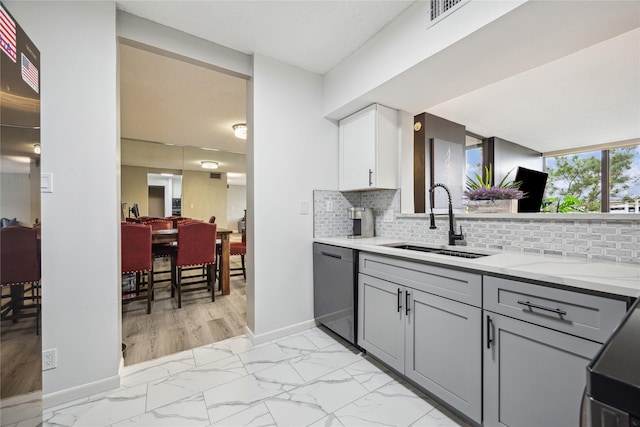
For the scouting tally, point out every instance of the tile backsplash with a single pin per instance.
(602, 239)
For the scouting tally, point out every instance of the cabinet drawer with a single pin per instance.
(588, 316)
(456, 285)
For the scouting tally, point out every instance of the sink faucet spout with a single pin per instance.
(453, 236)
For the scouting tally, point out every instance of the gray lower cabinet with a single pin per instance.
(381, 320)
(443, 350)
(533, 376)
(434, 341)
(500, 351)
(538, 341)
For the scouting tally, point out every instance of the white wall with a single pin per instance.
(236, 204)
(292, 151)
(401, 45)
(80, 219)
(15, 197)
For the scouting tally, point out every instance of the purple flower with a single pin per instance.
(493, 193)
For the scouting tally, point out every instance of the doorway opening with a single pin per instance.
(160, 109)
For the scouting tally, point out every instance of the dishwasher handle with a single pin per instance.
(331, 255)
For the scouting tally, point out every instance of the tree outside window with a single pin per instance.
(624, 188)
(574, 183)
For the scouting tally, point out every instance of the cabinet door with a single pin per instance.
(381, 320)
(533, 376)
(444, 350)
(358, 150)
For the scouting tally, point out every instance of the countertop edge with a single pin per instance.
(618, 279)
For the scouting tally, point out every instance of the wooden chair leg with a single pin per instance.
(244, 271)
(211, 281)
(149, 290)
(179, 280)
(38, 308)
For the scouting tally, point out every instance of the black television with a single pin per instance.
(135, 210)
(532, 184)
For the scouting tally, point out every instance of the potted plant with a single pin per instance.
(482, 197)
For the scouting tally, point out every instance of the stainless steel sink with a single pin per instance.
(439, 251)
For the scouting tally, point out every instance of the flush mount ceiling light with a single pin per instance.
(209, 165)
(36, 148)
(240, 130)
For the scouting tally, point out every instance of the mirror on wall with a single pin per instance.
(172, 180)
(20, 329)
(20, 236)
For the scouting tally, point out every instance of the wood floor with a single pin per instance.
(20, 352)
(166, 330)
(169, 329)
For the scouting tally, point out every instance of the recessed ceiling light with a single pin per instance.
(209, 165)
(240, 130)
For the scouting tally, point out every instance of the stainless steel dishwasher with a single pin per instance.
(335, 289)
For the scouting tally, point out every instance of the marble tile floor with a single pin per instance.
(307, 379)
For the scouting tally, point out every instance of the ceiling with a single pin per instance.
(588, 98)
(313, 35)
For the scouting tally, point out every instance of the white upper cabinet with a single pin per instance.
(369, 145)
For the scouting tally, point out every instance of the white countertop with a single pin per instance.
(608, 277)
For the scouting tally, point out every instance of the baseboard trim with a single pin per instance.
(278, 333)
(78, 392)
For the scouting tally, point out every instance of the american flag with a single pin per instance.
(7, 34)
(29, 73)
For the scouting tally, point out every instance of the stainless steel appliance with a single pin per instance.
(335, 289)
(613, 377)
(362, 222)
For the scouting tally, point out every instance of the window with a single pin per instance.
(576, 180)
(624, 179)
(473, 154)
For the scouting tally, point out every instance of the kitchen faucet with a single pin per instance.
(452, 234)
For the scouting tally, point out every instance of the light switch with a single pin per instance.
(46, 183)
(304, 207)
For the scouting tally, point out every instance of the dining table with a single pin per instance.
(170, 235)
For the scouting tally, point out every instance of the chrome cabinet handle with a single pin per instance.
(399, 300)
(370, 177)
(541, 307)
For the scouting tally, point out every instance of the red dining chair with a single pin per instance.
(161, 250)
(239, 248)
(196, 247)
(20, 270)
(176, 219)
(137, 258)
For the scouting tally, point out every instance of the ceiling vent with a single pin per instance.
(442, 8)
(215, 175)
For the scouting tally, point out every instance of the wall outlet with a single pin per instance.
(388, 215)
(49, 359)
(329, 205)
